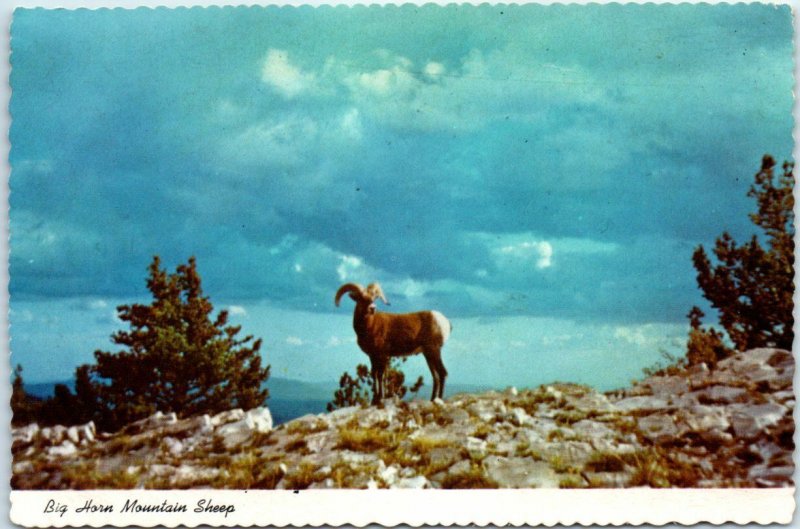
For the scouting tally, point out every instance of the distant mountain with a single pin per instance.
(288, 398)
(280, 388)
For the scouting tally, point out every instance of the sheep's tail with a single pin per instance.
(445, 327)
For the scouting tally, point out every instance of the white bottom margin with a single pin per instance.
(223, 508)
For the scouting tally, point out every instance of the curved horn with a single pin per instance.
(348, 287)
(375, 291)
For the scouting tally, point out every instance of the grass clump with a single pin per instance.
(85, 476)
(302, 477)
(605, 462)
(474, 478)
(297, 445)
(366, 440)
(656, 468)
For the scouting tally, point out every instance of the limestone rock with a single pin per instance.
(750, 420)
(520, 472)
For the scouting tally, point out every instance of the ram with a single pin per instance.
(382, 335)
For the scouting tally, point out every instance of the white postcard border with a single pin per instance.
(226, 508)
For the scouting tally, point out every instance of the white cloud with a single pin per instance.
(410, 288)
(348, 265)
(540, 251)
(282, 142)
(640, 335)
(294, 340)
(350, 124)
(237, 310)
(434, 69)
(98, 304)
(286, 78)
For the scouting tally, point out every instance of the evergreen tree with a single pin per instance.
(176, 358)
(752, 286)
(25, 408)
(356, 391)
(704, 345)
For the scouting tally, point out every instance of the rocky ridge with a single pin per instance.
(727, 427)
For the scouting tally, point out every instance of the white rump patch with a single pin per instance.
(443, 323)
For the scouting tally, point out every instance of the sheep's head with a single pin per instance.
(362, 295)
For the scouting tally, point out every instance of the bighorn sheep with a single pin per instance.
(382, 336)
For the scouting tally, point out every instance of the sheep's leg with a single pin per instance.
(442, 372)
(381, 381)
(376, 389)
(434, 374)
(378, 376)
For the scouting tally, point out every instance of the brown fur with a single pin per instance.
(382, 335)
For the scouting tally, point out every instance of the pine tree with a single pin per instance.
(356, 391)
(24, 407)
(752, 286)
(704, 345)
(176, 358)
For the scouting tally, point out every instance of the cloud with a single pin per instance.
(348, 266)
(295, 341)
(237, 310)
(541, 251)
(569, 139)
(287, 79)
(434, 69)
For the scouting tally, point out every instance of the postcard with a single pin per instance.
(402, 264)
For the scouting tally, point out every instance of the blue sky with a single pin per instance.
(539, 174)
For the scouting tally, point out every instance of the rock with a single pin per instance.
(158, 419)
(592, 429)
(389, 475)
(596, 402)
(235, 433)
(316, 442)
(520, 472)
(23, 467)
(666, 386)
(189, 473)
(227, 416)
(482, 411)
(456, 415)
(702, 417)
(73, 435)
(198, 424)
(766, 476)
(172, 445)
(262, 419)
(53, 435)
(519, 417)
(721, 395)
(511, 391)
(642, 403)
(553, 392)
(66, 449)
(752, 365)
(25, 434)
(462, 467)
(373, 416)
(417, 482)
(342, 414)
(407, 472)
(443, 457)
(750, 420)
(476, 448)
(87, 431)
